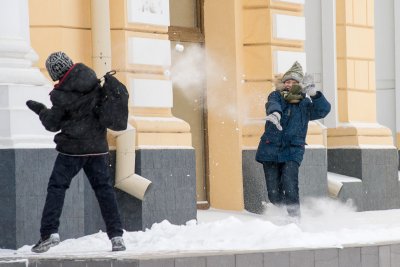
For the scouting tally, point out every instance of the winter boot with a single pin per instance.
(117, 243)
(45, 243)
(294, 210)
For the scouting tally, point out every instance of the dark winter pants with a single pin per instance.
(282, 181)
(97, 170)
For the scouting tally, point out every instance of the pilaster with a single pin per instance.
(273, 38)
(356, 78)
(224, 91)
(359, 147)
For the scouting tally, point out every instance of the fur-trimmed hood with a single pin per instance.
(278, 84)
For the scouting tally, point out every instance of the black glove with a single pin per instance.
(35, 106)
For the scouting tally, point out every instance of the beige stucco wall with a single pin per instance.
(61, 25)
(69, 30)
(237, 90)
(153, 131)
(259, 45)
(258, 50)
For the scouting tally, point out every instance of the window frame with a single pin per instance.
(190, 34)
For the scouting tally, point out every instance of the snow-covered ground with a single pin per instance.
(324, 223)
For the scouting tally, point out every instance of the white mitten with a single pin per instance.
(308, 85)
(275, 118)
(310, 90)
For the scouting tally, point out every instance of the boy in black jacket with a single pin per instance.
(81, 143)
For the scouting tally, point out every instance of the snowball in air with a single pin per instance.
(179, 47)
(167, 73)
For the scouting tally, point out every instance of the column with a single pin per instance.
(19, 81)
(24, 143)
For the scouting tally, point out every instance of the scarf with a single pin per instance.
(294, 95)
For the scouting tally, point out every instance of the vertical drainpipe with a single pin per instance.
(397, 67)
(101, 36)
(329, 60)
(125, 177)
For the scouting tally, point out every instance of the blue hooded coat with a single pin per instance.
(288, 144)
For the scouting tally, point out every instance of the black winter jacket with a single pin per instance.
(75, 101)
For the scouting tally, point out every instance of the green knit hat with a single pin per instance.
(294, 73)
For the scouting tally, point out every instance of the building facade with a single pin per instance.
(198, 73)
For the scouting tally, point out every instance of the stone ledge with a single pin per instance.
(380, 255)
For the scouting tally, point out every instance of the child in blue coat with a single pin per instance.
(290, 107)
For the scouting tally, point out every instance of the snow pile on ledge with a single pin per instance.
(324, 223)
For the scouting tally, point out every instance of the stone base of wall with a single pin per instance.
(312, 178)
(358, 256)
(24, 175)
(378, 171)
(254, 187)
(171, 196)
